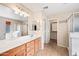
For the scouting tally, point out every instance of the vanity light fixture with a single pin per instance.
(25, 16)
(20, 12)
(16, 12)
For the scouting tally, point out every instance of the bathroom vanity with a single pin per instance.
(21, 46)
(74, 34)
(74, 44)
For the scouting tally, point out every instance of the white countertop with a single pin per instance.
(8, 44)
(74, 43)
(74, 35)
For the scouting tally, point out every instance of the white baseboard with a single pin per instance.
(62, 45)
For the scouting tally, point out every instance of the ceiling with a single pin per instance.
(53, 8)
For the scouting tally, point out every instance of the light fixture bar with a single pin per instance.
(20, 12)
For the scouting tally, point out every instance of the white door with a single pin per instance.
(62, 34)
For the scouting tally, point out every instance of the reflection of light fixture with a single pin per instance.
(16, 12)
(25, 16)
(21, 12)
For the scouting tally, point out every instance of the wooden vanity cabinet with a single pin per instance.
(18, 51)
(37, 45)
(33, 47)
(30, 48)
(8, 53)
(27, 49)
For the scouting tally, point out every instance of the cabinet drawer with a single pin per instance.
(39, 44)
(30, 44)
(8, 53)
(30, 53)
(19, 48)
(36, 45)
(22, 47)
(29, 48)
(21, 53)
(14, 51)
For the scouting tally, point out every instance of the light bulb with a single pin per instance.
(16, 12)
(25, 15)
(21, 13)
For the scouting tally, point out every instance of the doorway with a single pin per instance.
(51, 48)
(53, 31)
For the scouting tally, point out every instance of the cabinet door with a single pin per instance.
(36, 45)
(30, 53)
(30, 48)
(20, 51)
(30, 44)
(8, 53)
(39, 44)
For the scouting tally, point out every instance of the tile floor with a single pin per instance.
(51, 49)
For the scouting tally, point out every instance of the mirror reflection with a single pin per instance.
(10, 28)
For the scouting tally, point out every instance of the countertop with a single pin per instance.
(74, 34)
(8, 44)
(74, 44)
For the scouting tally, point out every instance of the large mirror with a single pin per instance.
(10, 28)
(12, 25)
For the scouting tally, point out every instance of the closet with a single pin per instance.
(53, 29)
